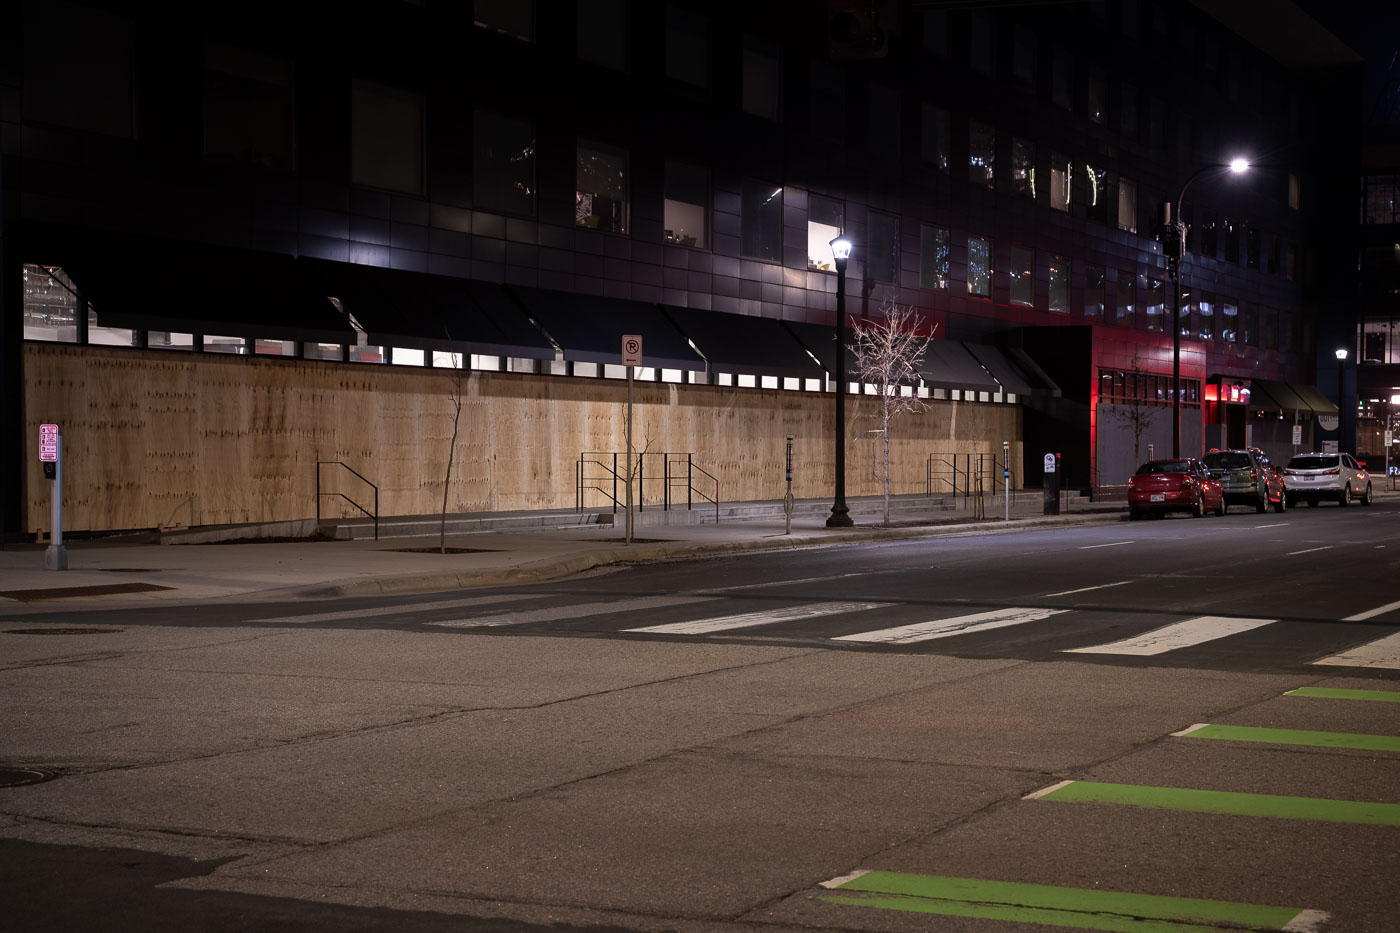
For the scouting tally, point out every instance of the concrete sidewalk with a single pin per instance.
(138, 570)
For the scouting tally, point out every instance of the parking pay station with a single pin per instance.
(1052, 484)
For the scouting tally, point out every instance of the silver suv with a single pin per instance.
(1317, 476)
(1247, 476)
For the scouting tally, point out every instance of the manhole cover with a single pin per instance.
(63, 631)
(15, 777)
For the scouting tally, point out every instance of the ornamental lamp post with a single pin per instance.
(840, 516)
(1341, 378)
(1174, 245)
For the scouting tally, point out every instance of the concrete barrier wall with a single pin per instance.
(179, 439)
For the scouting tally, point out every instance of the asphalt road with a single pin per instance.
(1163, 725)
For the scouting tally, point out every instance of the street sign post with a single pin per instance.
(51, 456)
(631, 357)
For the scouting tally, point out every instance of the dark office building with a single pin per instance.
(335, 189)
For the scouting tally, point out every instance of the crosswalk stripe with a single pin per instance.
(1177, 635)
(751, 619)
(573, 611)
(958, 625)
(402, 608)
(1193, 800)
(1383, 652)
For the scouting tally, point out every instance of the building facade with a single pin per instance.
(503, 188)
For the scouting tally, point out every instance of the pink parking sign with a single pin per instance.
(48, 443)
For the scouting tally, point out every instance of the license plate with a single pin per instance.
(1159, 497)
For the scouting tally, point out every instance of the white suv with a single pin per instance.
(1317, 476)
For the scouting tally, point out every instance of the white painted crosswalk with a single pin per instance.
(958, 625)
(1382, 653)
(396, 609)
(753, 619)
(573, 611)
(1176, 636)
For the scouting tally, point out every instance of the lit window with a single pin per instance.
(1229, 321)
(981, 156)
(1154, 302)
(600, 198)
(1061, 177)
(503, 164)
(1096, 193)
(933, 257)
(825, 221)
(1127, 205)
(1293, 191)
(50, 305)
(1023, 167)
(979, 267)
(685, 204)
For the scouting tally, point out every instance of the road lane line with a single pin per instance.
(1382, 653)
(944, 628)
(1052, 905)
(1178, 635)
(573, 611)
(1090, 547)
(1341, 693)
(401, 608)
(1310, 550)
(1085, 589)
(1374, 743)
(1372, 613)
(751, 619)
(1190, 800)
(1275, 525)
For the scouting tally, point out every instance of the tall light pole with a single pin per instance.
(1174, 245)
(840, 515)
(1341, 377)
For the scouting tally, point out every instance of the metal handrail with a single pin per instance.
(374, 515)
(669, 479)
(986, 467)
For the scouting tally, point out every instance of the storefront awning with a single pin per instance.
(1285, 397)
(1013, 369)
(745, 344)
(589, 328)
(948, 364)
(414, 309)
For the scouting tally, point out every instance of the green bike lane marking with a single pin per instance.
(1373, 743)
(1084, 908)
(1225, 802)
(1337, 693)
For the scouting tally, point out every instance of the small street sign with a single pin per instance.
(48, 443)
(631, 349)
(1049, 463)
(1297, 434)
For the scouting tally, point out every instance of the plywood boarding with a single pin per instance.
(154, 438)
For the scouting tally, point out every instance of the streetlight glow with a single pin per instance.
(841, 248)
(1239, 165)
(1341, 353)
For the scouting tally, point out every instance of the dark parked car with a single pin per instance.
(1161, 486)
(1248, 478)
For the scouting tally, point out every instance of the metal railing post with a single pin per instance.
(376, 513)
(641, 482)
(318, 495)
(690, 485)
(614, 493)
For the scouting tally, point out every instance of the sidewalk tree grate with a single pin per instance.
(63, 631)
(18, 777)
(73, 592)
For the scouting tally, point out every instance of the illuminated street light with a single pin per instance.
(840, 515)
(1174, 245)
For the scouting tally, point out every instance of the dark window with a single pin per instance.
(933, 257)
(1023, 56)
(826, 102)
(1126, 308)
(687, 46)
(602, 33)
(883, 132)
(600, 195)
(934, 137)
(1269, 325)
(762, 222)
(512, 17)
(1210, 246)
(1128, 111)
(883, 261)
(1154, 303)
(1249, 330)
(1094, 278)
(1251, 247)
(1059, 285)
(1062, 80)
(1232, 241)
(1023, 166)
(77, 67)
(386, 138)
(503, 166)
(1022, 275)
(248, 107)
(763, 85)
(983, 51)
(1098, 97)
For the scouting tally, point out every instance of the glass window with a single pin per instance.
(1269, 326)
(934, 137)
(168, 340)
(1059, 285)
(267, 346)
(1294, 191)
(1061, 176)
(248, 107)
(1290, 262)
(1094, 279)
(1126, 295)
(883, 130)
(1210, 239)
(1153, 301)
(1251, 247)
(762, 220)
(386, 138)
(1229, 320)
(1206, 314)
(933, 257)
(334, 352)
(503, 164)
(1186, 323)
(686, 204)
(1062, 80)
(73, 51)
(214, 343)
(1128, 111)
(108, 336)
(1096, 193)
(511, 17)
(935, 32)
(825, 221)
(979, 267)
(983, 51)
(1023, 56)
(981, 155)
(1023, 166)
(826, 102)
(1249, 325)
(1273, 255)
(687, 46)
(1098, 97)
(50, 304)
(1232, 241)
(763, 85)
(1022, 275)
(600, 196)
(602, 33)
(883, 263)
(1127, 205)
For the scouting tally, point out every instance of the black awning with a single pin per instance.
(947, 364)
(589, 328)
(743, 343)
(164, 285)
(414, 309)
(1319, 403)
(510, 319)
(1268, 395)
(820, 341)
(1013, 370)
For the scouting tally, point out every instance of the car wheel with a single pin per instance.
(1261, 501)
(1220, 507)
(1200, 510)
(1344, 497)
(1366, 499)
(1282, 502)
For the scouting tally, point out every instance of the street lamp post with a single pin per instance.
(1341, 378)
(1174, 245)
(840, 515)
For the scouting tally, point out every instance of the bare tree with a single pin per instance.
(1133, 413)
(887, 354)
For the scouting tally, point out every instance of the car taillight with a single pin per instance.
(1333, 472)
